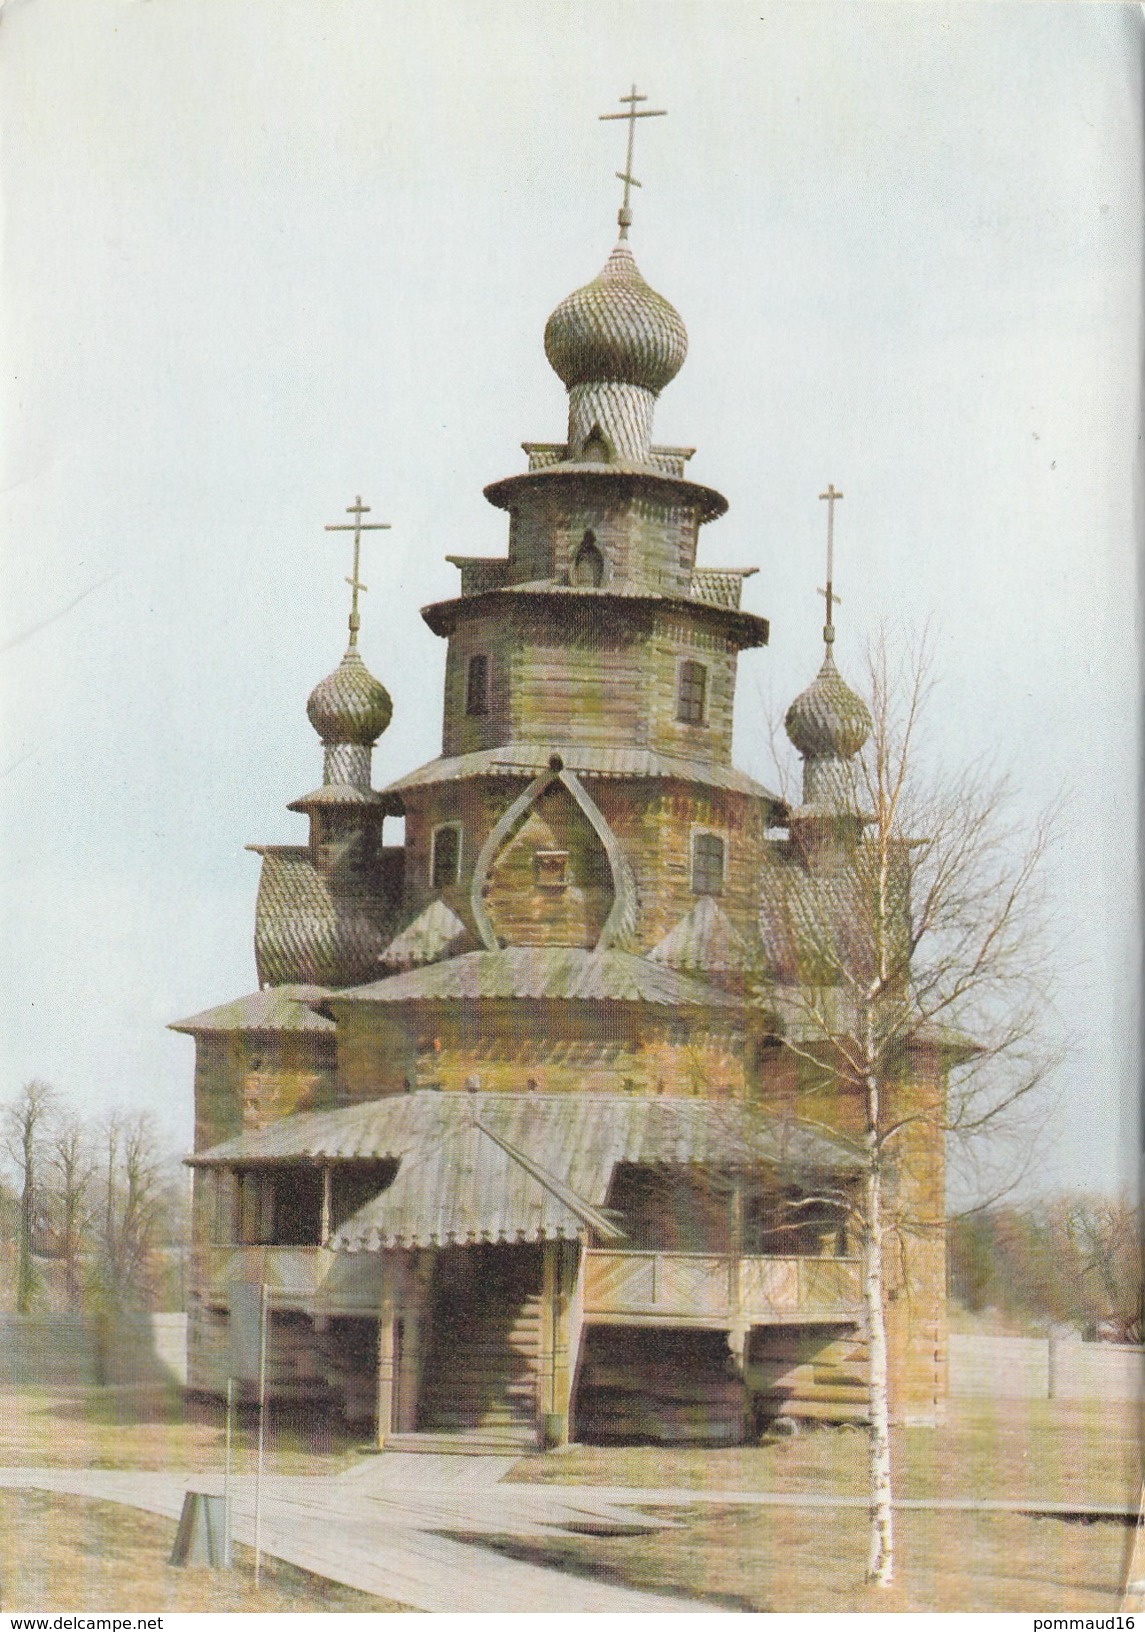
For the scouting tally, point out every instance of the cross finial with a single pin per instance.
(832, 599)
(624, 216)
(357, 527)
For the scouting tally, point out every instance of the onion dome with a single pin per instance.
(617, 329)
(349, 706)
(828, 720)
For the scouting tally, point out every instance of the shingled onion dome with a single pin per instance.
(615, 344)
(828, 723)
(349, 710)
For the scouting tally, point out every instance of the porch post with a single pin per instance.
(546, 1402)
(560, 1283)
(735, 1246)
(413, 1325)
(385, 1411)
(324, 1224)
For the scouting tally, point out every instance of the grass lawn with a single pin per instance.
(791, 1559)
(153, 1427)
(68, 1554)
(796, 1560)
(59, 1552)
(1047, 1450)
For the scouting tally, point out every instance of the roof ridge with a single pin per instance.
(568, 1197)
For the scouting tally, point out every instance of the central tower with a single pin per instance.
(596, 647)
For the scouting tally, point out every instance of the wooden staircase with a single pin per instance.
(479, 1380)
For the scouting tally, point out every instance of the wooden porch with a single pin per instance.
(718, 1290)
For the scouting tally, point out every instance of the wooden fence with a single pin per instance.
(59, 1351)
(1041, 1368)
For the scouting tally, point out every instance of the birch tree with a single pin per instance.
(903, 913)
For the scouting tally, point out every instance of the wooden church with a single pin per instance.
(511, 1131)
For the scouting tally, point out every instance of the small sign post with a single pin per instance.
(228, 1517)
(262, 1312)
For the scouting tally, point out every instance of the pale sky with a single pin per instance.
(258, 258)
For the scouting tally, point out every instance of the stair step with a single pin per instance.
(464, 1444)
(456, 1421)
(469, 1392)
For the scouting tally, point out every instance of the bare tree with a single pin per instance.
(71, 1162)
(1071, 1258)
(1105, 1233)
(23, 1126)
(903, 924)
(136, 1203)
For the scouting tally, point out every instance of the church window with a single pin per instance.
(588, 564)
(445, 866)
(550, 869)
(477, 685)
(707, 864)
(691, 693)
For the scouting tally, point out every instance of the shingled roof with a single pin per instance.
(429, 936)
(705, 941)
(559, 972)
(277, 1009)
(311, 928)
(527, 759)
(518, 1167)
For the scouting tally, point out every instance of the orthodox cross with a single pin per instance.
(357, 527)
(624, 216)
(829, 593)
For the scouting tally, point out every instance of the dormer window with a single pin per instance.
(707, 864)
(477, 685)
(595, 450)
(588, 564)
(445, 862)
(692, 693)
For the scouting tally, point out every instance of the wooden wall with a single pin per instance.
(524, 906)
(648, 542)
(586, 669)
(813, 1372)
(654, 823)
(246, 1080)
(560, 1047)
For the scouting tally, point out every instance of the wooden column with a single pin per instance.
(414, 1314)
(386, 1335)
(546, 1404)
(559, 1286)
(236, 1199)
(738, 1328)
(324, 1223)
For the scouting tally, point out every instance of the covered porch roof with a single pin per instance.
(518, 1167)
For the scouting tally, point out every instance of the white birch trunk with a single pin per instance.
(880, 1557)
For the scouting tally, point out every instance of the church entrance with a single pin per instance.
(482, 1361)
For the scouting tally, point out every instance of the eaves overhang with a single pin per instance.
(745, 629)
(620, 479)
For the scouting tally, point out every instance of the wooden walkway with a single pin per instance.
(389, 1525)
(369, 1529)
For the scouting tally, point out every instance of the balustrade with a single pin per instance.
(703, 1287)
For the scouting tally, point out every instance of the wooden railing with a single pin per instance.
(312, 1279)
(703, 1288)
(686, 1288)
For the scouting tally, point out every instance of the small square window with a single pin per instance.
(691, 696)
(707, 864)
(446, 864)
(477, 685)
(550, 869)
